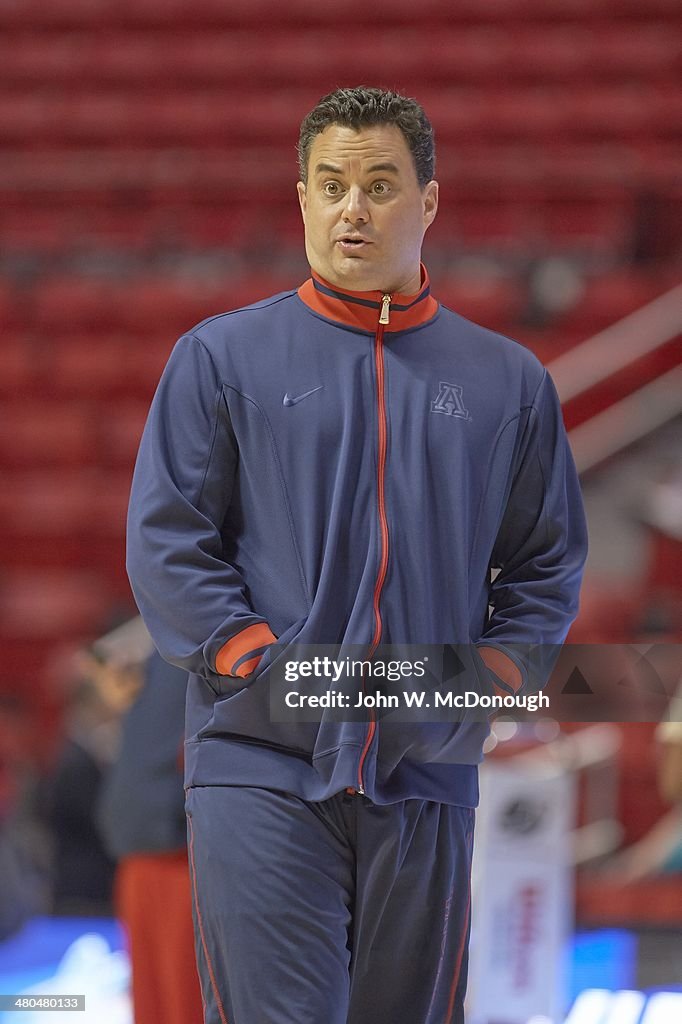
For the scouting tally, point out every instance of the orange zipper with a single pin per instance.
(384, 318)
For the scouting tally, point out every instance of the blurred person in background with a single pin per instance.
(24, 864)
(669, 736)
(142, 821)
(659, 852)
(82, 870)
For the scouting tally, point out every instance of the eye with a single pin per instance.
(381, 188)
(331, 188)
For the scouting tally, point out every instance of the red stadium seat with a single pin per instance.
(474, 225)
(42, 433)
(108, 364)
(47, 230)
(10, 315)
(89, 365)
(17, 366)
(122, 426)
(175, 117)
(51, 603)
(493, 301)
(610, 297)
(156, 307)
(83, 502)
(588, 225)
(106, 13)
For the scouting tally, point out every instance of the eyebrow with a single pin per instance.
(331, 169)
(386, 166)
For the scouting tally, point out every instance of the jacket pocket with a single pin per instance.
(243, 710)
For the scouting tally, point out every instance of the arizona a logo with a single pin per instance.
(449, 401)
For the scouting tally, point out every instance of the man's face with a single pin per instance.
(363, 210)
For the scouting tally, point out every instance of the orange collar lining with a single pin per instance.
(361, 309)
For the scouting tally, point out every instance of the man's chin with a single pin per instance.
(356, 273)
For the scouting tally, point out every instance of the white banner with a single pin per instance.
(522, 895)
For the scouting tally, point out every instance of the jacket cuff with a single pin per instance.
(241, 654)
(503, 668)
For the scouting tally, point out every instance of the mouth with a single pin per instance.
(352, 243)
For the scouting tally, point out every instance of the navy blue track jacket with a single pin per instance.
(335, 467)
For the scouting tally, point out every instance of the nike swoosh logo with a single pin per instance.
(289, 400)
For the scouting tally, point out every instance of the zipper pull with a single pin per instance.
(384, 317)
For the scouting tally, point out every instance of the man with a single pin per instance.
(345, 463)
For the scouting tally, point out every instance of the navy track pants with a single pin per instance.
(337, 912)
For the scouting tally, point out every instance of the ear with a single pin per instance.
(302, 201)
(430, 200)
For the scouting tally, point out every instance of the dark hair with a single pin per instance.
(363, 107)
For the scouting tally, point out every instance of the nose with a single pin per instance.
(356, 210)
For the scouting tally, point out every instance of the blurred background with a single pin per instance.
(147, 180)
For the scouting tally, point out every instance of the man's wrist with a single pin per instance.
(506, 674)
(240, 656)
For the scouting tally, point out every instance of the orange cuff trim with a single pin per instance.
(247, 667)
(503, 666)
(249, 639)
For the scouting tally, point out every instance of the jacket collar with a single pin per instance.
(362, 309)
